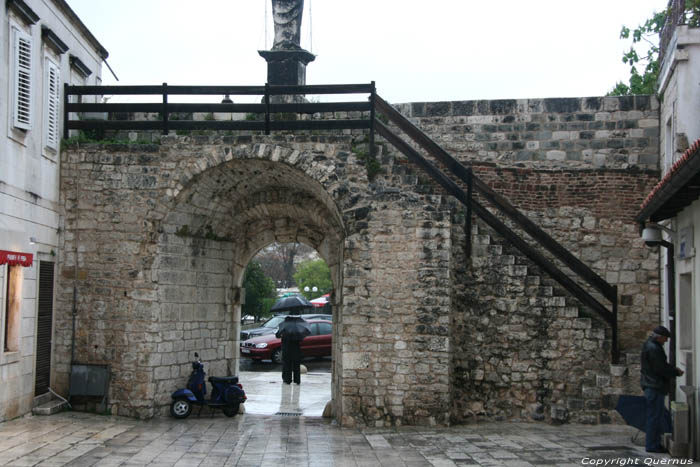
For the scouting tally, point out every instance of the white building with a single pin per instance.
(43, 45)
(674, 204)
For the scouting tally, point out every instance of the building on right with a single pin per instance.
(670, 213)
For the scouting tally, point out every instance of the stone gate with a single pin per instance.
(156, 237)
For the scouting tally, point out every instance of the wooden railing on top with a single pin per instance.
(267, 109)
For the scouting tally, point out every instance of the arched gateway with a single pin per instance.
(435, 319)
(158, 237)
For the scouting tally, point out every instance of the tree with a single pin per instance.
(259, 291)
(648, 33)
(277, 260)
(313, 274)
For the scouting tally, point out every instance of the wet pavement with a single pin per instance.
(314, 365)
(281, 427)
(268, 395)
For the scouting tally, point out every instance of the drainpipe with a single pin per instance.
(75, 312)
(75, 278)
(671, 291)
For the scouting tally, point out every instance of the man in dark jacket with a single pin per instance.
(656, 383)
(292, 331)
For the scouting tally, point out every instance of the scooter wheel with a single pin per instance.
(231, 410)
(180, 408)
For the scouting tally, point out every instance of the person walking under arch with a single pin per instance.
(292, 331)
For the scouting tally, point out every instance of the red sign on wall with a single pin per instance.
(14, 258)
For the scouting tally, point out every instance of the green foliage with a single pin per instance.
(206, 232)
(285, 117)
(313, 274)
(371, 163)
(85, 138)
(692, 13)
(259, 291)
(645, 81)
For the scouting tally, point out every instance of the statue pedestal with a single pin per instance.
(287, 66)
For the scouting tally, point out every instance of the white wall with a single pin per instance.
(680, 111)
(29, 179)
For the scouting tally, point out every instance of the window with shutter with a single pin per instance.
(52, 104)
(22, 115)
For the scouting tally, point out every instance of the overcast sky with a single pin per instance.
(415, 50)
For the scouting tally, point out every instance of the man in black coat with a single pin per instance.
(292, 330)
(656, 383)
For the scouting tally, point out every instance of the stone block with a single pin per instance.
(618, 370)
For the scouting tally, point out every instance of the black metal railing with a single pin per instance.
(264, 112)
(675, 15)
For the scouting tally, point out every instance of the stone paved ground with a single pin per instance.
(79, 439)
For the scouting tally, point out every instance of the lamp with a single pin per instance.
(32, 240)
(226, 100)
(652, 234)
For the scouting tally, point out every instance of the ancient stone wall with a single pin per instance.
(579, 168)
(610, 132)
(156, 238)
(194, 277)
(395, 325)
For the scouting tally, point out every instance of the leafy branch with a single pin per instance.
(644, 82)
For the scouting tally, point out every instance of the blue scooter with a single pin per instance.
(226, 393)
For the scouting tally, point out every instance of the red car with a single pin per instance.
(269, 347)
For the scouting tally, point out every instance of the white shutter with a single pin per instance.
(52, 104)
(22, 105)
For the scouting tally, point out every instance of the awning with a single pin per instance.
(14, 258)
(679, 188)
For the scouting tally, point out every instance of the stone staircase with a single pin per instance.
(48, 404)
(552, 355)
(578, 382)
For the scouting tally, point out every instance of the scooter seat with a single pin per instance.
(223, 379)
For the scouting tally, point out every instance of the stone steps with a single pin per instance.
(595, 395)
(46, 404)
(50, 408)
(591, 397)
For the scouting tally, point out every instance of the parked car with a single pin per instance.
(269, 347)
(270, 326)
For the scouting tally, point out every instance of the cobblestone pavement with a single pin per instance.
(301, 438)
(79, 439)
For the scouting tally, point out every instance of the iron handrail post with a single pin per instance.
(469, 212)
(267, 108)
(165, 108)
(615, 343)
(65, 111)
(373, 93)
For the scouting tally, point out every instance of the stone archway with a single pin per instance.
(219, 221)
(156, 239)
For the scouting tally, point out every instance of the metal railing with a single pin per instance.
(265, 111)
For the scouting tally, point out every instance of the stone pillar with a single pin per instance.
(287, 67)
